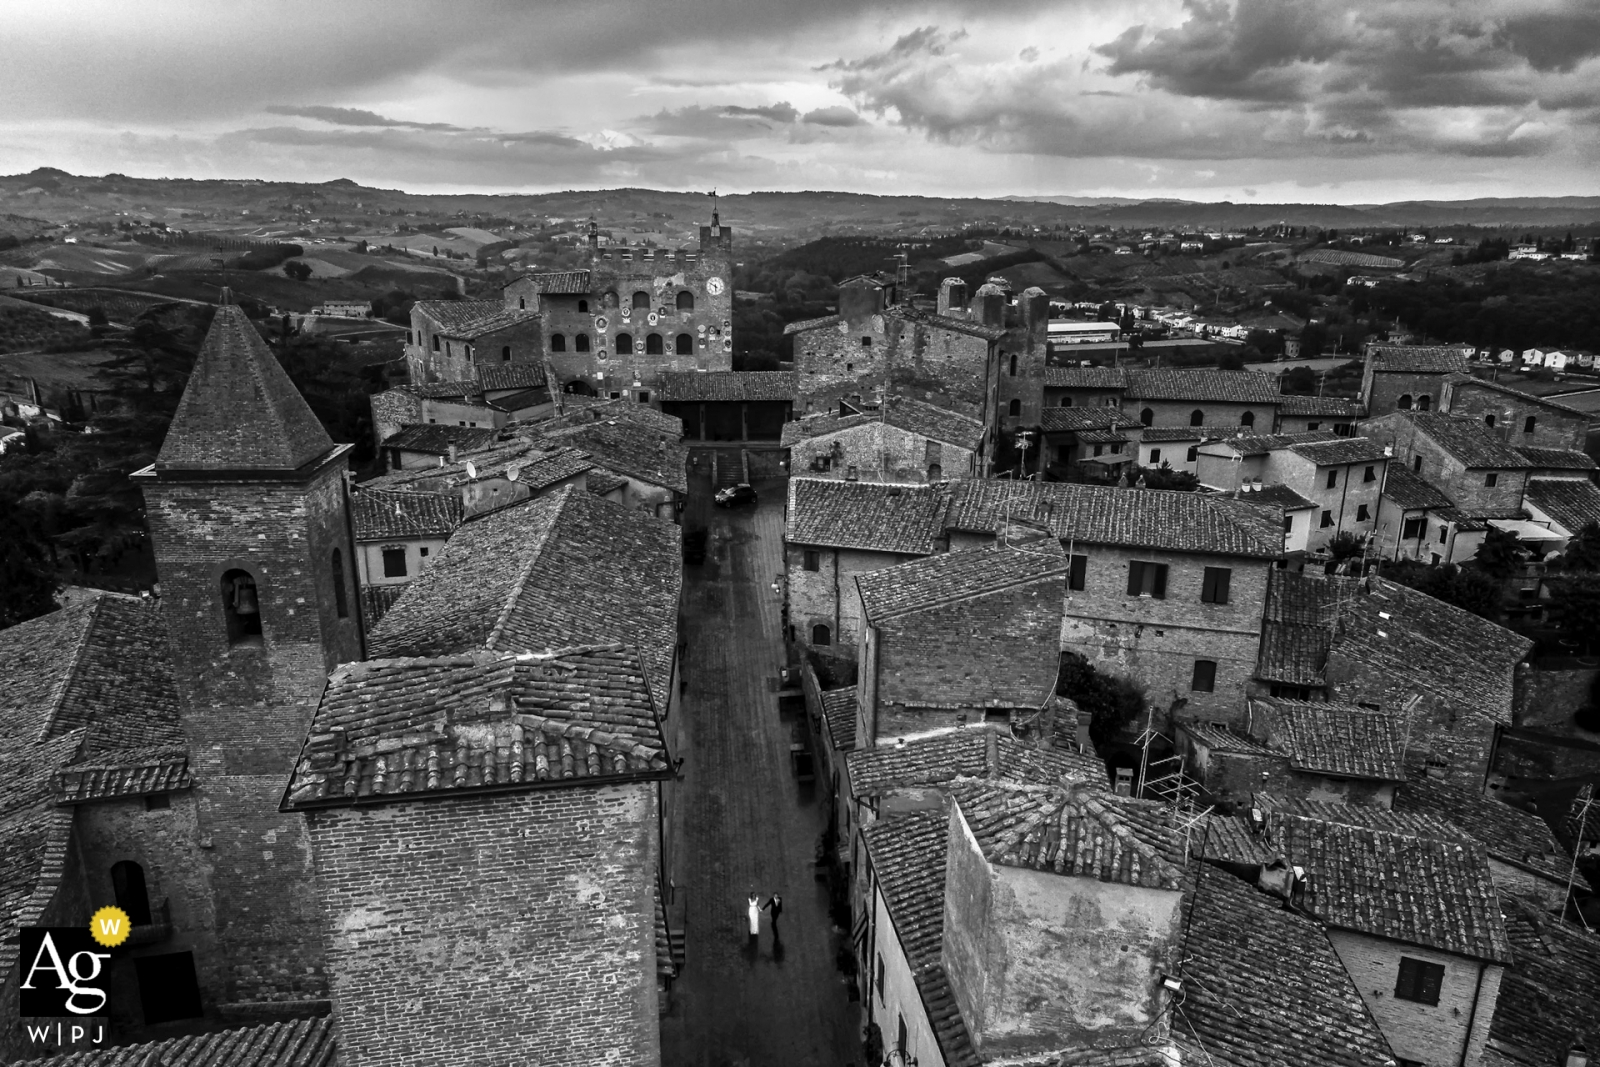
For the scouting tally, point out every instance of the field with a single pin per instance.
(52, 370)
(1338, 258)
(23, 329)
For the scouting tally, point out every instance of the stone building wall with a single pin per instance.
(462, 929)
(1214, 414)
(827, 595)
(1552, 428)
(1466, 486)
(434, 355)
(1435, 1035)
(1382, 391)
(881, 453)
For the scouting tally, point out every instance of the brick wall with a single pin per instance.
(1156, 642)
(945, 367)
(1463, 485)
(827, 595)
(881, 453)
(245, 709)
(1000, 647)
(1461, 735)
(1382, 390)
(391, 410)
(166, 844)
(457, 359)
(504, 929)
(1214, 413)
(1433, 1035)
(1551, 428)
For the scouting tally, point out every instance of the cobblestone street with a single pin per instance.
(748, 825)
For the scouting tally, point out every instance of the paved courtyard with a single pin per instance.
(747, 824)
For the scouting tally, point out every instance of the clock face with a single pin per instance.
(714, 286)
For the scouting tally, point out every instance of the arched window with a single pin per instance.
(341, 601)
(436, 342)
(1147, 417)
(1013, 366)
(580, 342)
(610, 298)
(1528, 424)
(505, 353)
(1014, 408)
(685, 344)
(1488, 420)
(127, 885)
(1066, 401)
(641, 301)
(1247, 419)
(821, 635)
(624, 344)
(1404, 403)
(558, 342)
(653, 345)
(1424, 402)
(685, 300)
(583, 307)
(1197, 417)
(241, 606)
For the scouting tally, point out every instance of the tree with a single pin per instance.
(1575, 604)
(1112, 702)
(1167, 477)
(297, 270)
(1345, 545)
(1500, 554)
(27, 585)
(1583, 551)
(1471, 590)
(1298, 381)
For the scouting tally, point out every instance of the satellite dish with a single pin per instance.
(472, 471)
(513, 473)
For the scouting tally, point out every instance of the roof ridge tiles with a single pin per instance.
(508, 608)
(63, 684)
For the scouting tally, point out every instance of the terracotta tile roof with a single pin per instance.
(1261, 444)
(298, 1043)
(1263, 986)
(413, 727)
(839, 714)
(944, 1014)
(1567, 459)
(805, 325)
(871, 516)
(1571, 503)
(536, 464)
(1166, 434)
(625, 445)
(526, 398)
(1226, 739)
(1085, 378)
(493, 377)
(1466, 660)
(1467, 439)
(814, 426)
(1328, 406)
(1511, 835)
(463, 388)
(934, 423)
(1417, 888)
(1362, 817)
(1085, 417)
(601, 481)
(1412, 492)
(1551, 995)
(123, 774)
(1470, 380)
(563, 569)
(37, 833)
(953, 576)
(1101, 437)
(978, 751)
(1107, 515)
(908, 857)
(1342, 450)
(1274, 496)
(727, 385)
(1231, 839)
(558, 283)
(1418, 359)
(470, 319)
(376, 600)
(1227, 386)
(1078, 830)
(239, 409)
(582, 410)
(436, 439)
(1341, 739)
(382, 514)
(1297, 625)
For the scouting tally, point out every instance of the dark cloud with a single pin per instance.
(716, 123)
(783, 112)
(834, 116)
(352, 116)
(1554, 41)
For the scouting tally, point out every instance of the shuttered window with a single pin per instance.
(1214, 586)
(1419, 981)
(1147, 579)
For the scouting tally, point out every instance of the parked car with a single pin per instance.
(734, 495)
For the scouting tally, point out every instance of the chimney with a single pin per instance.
(453, 451)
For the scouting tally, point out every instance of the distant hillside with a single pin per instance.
(238, 205)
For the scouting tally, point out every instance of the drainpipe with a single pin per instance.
(1472, 1016)
(837, 636)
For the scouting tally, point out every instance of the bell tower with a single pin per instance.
(247, 507)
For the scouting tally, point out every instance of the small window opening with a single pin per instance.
(127, 886)
(821, 635)
(558, 342)
(241, 604)
(341, 602)
(580, 343)
(394, 561)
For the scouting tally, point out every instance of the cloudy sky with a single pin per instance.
(1309, 100)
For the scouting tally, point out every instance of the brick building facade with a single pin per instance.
(1519, 419)
(1408, 377)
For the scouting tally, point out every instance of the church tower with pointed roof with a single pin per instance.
(247, 506)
